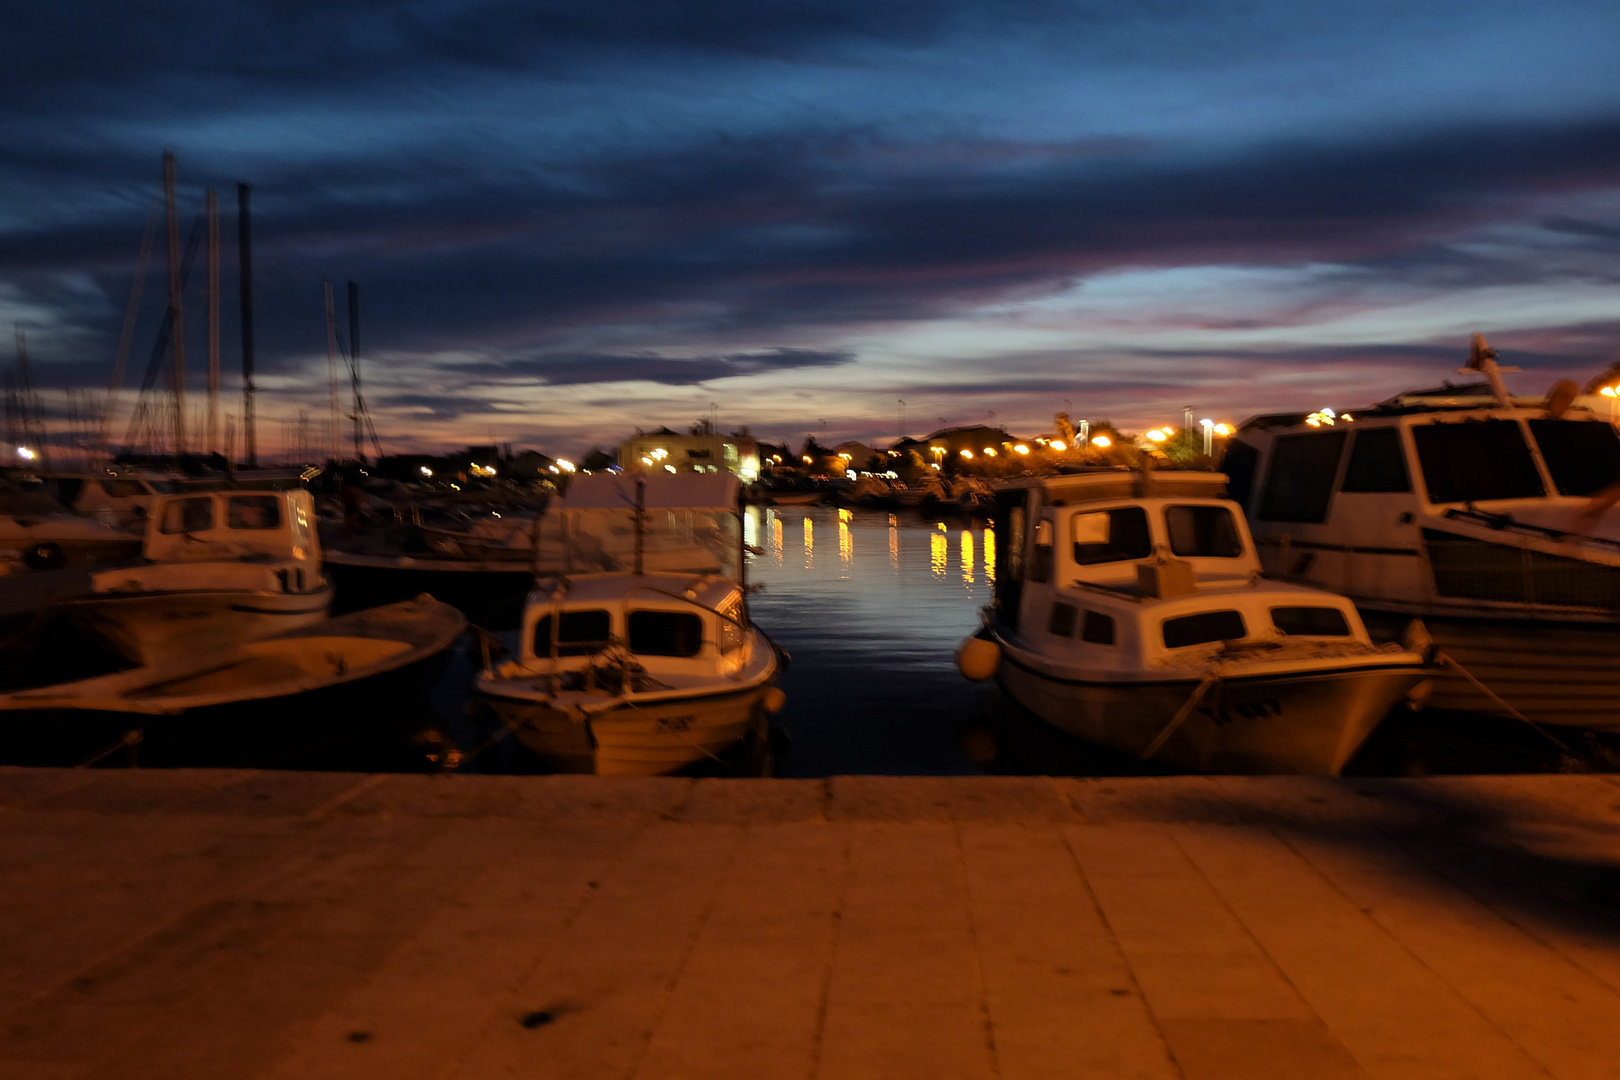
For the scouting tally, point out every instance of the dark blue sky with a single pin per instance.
(570, 219)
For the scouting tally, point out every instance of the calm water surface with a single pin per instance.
(872, 606)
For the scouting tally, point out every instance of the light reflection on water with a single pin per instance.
(873, 686)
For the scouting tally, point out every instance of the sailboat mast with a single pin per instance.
(177, 337)
(212, 423)
(354, 362)
(244, 251)
(331, 372)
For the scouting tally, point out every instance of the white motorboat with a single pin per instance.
(1489, 516)
(41, 531)
(1130, 612)
(272, 701)
(219, 568)
(643, 671)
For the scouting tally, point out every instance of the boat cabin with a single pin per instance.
(1114, 570)
(1437, 501)
(668, 624)
(231, 524)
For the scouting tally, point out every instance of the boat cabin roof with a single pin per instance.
(645, 590)
(1098, 485)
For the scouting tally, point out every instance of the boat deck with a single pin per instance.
(235, 924)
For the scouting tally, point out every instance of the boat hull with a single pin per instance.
(350, 693)
(157, 627)
(1310, 723)
(490, 594)
(1553, 673)
(651, 738)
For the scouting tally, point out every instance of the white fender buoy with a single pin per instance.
(773, 700)
(977, 659)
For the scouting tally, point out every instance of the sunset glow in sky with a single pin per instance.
(572, 219)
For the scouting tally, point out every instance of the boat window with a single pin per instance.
(1202, 531)
(254, 512)
(1377, 462)
(1238, 463)
(1104, 536)
(1311, 621)
(1476, 459)
(579, 633)
(1204, 627)
(121, 489)
(1097, 628)
(1582, 455)
(665, 633)
(188, 515)
(1299, 483)
(1062, 621)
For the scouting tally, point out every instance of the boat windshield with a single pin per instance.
(189, 515)
(579, 633)
(1476, 460)
(1204, 627)
(1582, 455)
(1202, 532)
(254, 512)
(1311, 621)
(665, 633)
(1104, 536)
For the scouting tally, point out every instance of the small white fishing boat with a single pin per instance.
(642, 672)
(1130, 612)
(270, 701)
(219, 568)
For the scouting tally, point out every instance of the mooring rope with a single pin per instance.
(1445, 658)
(1181, 715)
(132, 737)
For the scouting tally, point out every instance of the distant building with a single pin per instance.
(700, 450)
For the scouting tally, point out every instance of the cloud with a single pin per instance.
(591, 368)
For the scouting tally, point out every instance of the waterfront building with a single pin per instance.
(701, 450)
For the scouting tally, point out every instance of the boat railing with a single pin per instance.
(1466, 568)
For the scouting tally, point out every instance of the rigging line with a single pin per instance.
(161, 346)
(126, 338)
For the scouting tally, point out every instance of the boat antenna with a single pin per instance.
(1482, 358)
(641, 516)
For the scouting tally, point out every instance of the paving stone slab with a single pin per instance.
(537, 798)
(947, 798)
(754, 802)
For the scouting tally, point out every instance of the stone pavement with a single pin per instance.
(318, 925)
